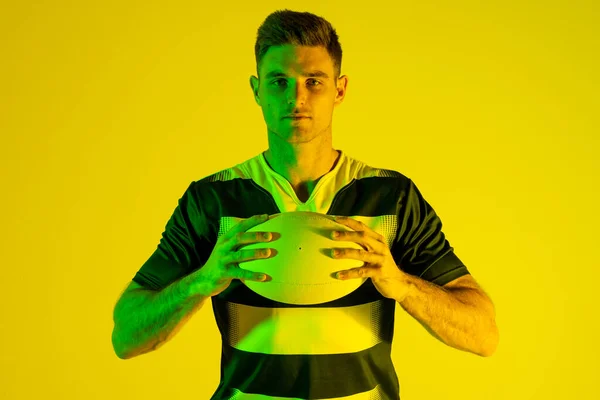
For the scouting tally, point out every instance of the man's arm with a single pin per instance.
(463, 318)
(146, 319)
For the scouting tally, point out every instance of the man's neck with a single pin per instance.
(302, 169)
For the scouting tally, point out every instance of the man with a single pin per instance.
(407, 256)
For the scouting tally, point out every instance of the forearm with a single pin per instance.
(460, 318)
(145, 319)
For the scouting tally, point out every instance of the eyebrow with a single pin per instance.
(313, 74)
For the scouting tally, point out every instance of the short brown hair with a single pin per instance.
(300, 29)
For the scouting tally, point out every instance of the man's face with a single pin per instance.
(286, 87)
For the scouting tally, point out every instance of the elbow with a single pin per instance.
(126, 353)
(116, 347)
(490, 343)
(120, 353)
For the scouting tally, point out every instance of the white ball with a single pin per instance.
(301, 267)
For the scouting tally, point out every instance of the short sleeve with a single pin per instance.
(175, 255)
(422, 247)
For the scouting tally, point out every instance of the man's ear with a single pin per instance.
(254, 81)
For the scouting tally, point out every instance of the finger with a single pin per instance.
(357, 254)
(362, 272)
(241, 256)
(354, 225)
(363, 238)
(234, 236)
(243, 274)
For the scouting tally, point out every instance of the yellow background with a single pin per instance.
(110, 109)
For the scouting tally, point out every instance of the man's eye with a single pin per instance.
(313, 80)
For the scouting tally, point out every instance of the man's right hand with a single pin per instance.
(216, 275)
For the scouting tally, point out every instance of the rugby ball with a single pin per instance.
(301, 267)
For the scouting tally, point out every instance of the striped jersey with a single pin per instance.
(335, 350)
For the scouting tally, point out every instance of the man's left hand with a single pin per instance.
(380, 266)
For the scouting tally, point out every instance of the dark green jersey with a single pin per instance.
(337, 349)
